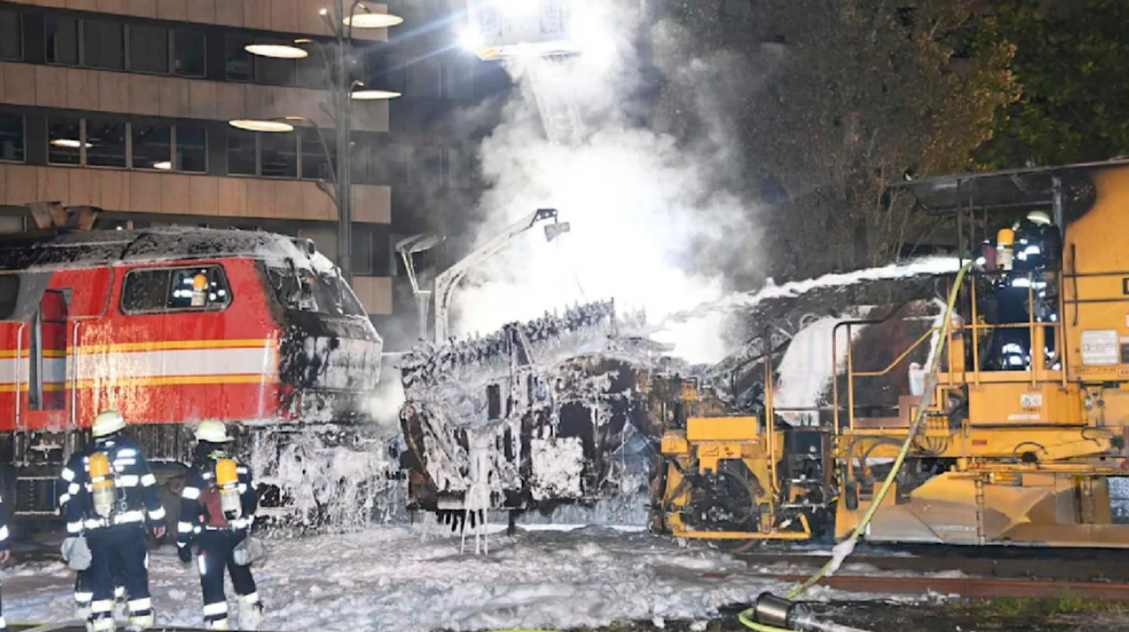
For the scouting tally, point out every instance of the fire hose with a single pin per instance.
(781, 614)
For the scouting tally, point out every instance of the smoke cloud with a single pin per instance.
(648, 211)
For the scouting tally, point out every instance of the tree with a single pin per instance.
(834, 100)
(1070, 62)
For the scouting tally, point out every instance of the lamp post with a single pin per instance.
(339, 108)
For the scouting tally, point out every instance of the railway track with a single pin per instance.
(971, 587)
(993, 572)
(1079, 565)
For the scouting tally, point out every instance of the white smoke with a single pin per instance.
(644, 208)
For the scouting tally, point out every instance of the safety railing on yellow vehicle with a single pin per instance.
(958, 373)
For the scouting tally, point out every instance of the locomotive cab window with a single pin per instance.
(196, 288)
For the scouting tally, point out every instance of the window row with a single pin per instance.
(146, 48)
(183, 147)
(94, 142)
(111, 45)
(308, 72)
(301, 154)
(298, 154)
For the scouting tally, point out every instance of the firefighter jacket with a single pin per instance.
(201, 504)
(134, 489)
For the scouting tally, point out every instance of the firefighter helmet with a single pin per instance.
(107, 423)
(212, 431)
(1041, 218)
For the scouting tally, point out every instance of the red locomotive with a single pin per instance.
(170, 327)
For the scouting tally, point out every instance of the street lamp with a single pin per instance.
(369, 20)
(344, 90)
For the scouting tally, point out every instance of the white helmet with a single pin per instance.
(107, 423)
(1041, 218)
(212, 431)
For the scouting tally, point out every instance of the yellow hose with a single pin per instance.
(930, 386)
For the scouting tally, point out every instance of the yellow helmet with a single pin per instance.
(107, 423)
(1041, 218)
(212, 431)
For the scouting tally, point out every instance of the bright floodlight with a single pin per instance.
(277, 51)
(375, 95)
(69, 143)
(164, 165)
(252, 125)
(471, 39)
(369, 20)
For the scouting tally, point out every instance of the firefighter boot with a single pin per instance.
(121, 607)
(141, 615)
(250, 612)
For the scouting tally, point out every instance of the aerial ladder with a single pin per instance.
(535, 35)
(448, 280)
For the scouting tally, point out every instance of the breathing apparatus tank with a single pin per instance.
(227, 479)
(1005, 249)
(102, 482)
(199, 290)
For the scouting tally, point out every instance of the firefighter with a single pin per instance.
(112, 494)
(83, 590)
(217, 509)
(1038, 243)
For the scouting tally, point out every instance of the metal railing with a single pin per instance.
(957, 373)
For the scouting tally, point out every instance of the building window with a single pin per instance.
(362, 251)
(198, 288)
(105, 143)
(424, 78)
(148, 49)
(372, 252)
(315, 165)
(11, 137)
(458, 80)
(395, 75)
(103, 45)
(325, 239)
(269, 70)
(152, 146)
(240, 63)
(431, 165)
(64, 141)
(460, 168)
(362, 170)
(241, 154)
(191, 148)
(311, 71)
(188, 50)
(62, 40)
(279, 155)
(391, 163)
(11, 36)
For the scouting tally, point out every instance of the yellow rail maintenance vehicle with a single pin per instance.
(1014, 438)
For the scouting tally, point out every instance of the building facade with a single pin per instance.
(124, 105)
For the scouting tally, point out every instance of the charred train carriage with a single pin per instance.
(1025, 438)
(536, 415)
(172, 327)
